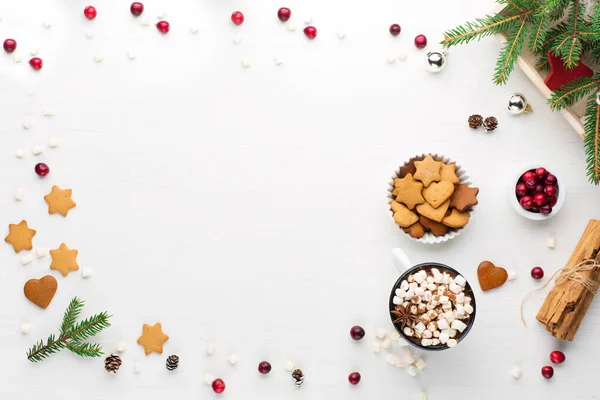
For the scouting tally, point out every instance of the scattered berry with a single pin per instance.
(163, 27)
(357, 332)
(537, 273)
(90, 12)
(526, 202)
(237, 18)
(284, 14)
(354, 378)
(42, 169)
(219, 386)
(547, 372)
(551, 180)
(557, 357)
(420, 41)
(310, 32)
(10, 45)
(264, 367)
(36, 63)
(395, 29)
(136, 8)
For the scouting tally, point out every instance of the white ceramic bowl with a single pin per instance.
(463, 178)
(562, 194)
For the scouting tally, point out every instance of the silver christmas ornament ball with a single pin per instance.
(598, 97)
(517, 104)
(436, 61)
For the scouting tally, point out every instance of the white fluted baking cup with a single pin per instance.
(463, 178)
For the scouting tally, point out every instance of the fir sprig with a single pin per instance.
(510, 53)
(592, 140)
(573, 91)
(72, 335)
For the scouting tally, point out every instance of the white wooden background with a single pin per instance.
(246, 207)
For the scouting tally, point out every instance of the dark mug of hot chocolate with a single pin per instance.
(431, 305)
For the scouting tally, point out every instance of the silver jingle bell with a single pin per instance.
(517, 104)
(598, 97)
(436, 61)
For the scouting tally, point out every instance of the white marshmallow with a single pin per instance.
(25, 329)
(460, 298)
(431, 287)
(444, 337)
(400, 362)
(412, 371)
(380, 333)
(551, 242)
(422, 396)
(454, 288)
(386, 343)
(54, 142)
(210, 349)
(515, 372)
(208, 379)
(445, 278)
(458, 325)
(444, 299)
(289, 366)
(292, 27)
(420, 327)
(443, 324)
(145, 21)
(194, 30)
(237, 40)
(420, 364)
(460, 280)
(409, 358)
(391, 359)
(404, 285)
(408, 331)
(436, 342)
(19, 194)
(34, 51)
(27, 124)
(427, 334)
(512, 275)
(121, 347)
(449, 315)
(427, 295)
(20, 153)
(89, 35)
(419, 291)
(467, 300)
(341, 35)
(37, 150)
(48, 112)
(161, 15)
(469, 308)
(402, 343)
(452, 342)
(131, 55)
(452, 332)
(429, 279)
(436, 334)
(397, 300)
(41, 252)
(376, 347)
(460, 310)
(308, 21)
(277, 61)
(245, 63)
(426, 342)
(391, 60)
(136, 367)
(402, 56)
(17, 58)
(26, 259)
(98, 58)
(413, 285)
(410, 294)
(46, 24)
(394, 335)
(233, 359)
(86, 273)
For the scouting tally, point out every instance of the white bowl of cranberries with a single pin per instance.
(538, 193)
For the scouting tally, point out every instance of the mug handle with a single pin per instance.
(401, 260)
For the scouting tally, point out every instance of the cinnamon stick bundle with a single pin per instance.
(566, 304)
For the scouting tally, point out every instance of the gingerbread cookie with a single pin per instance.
(64, 259)
(436, 214)
(464, 197)
(41, 291)
(448, 173)
(437, 228)
(437, 193)
(408, 168)
(408, 191)
(415, 230)
(20, 236)
(403, 216)
(428, 170)
(59, 201)
(490, 276)
(456, 219)
(152, 338)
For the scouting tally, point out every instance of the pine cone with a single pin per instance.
(475, 121)
(112, 363)
(172, 362)
(490, 123)
(298, 377)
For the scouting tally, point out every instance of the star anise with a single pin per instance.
(404, 317)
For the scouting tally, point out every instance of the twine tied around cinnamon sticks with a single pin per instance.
(572, 274)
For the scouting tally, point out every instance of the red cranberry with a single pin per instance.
(420, 41)
(163, 27)
(42, 169)
(528, 176)
(541, 173)
(557, 357)
(552, 201)
(535, 209)
(354, 378)
(10, 45)
(547, 372)
(36, 63)
(551, 190)
(357, 332)
(551, 180)
(531, 184)
(219, 386)
(539, 188)
(136, 8)
(537, 273)
(521, 189)
(90, 12)
(526, 202)
(310, 32)
(546, 210)
(540, 199)
(237, 18)
(264, 367)
(395, 29)
(284, 14)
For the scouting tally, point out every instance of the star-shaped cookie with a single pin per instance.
(464, 197)
(64, 259)
(408, 191)
(448, 173)
(20, 236)
(428, 170)
(59, 201)
(152, 338)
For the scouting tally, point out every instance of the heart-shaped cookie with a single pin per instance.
(490, 276)
(437, 193)
(41, 291)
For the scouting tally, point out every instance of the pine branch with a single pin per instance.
(482, 27)
(538, 36)
(73, 310)
(596, 18)
(85, 349)
(591, 141)
(573, 92)
(569, 47)
(552, 35)
(89, 327)
(40, 351)
(554, 9)
(510, 53)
